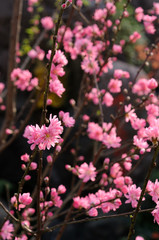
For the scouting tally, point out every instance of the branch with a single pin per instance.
(133, 220)
(11, 90)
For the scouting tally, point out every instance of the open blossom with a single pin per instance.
(115, 85)
(24, 200)
(108, 99)
(140, 142)
(95, 131)
(134, 37)
(93, 95)
(90, 65)
(148, 23)
(141, 87)
(6, 230)
(23, 79)
(129, 113)
(59, 58)
(87, 172)
(155, 213)
(139, 14)
(56, 87)
(47, 23)
(132, 195)
(153, 190)
(66, 119)
(111, 139)
(119, 73)
(36, 53)
(100, 15)
(44, 137)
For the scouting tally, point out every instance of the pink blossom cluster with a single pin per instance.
(108, 167)
(36, 53)
(147, 19)
(106, 201)
(31, 4)
(59, 61)
(107, 135)
(23, 201)
(23, 79)
(84, 171)
(144, 86)
(66, 119)
(44, 136)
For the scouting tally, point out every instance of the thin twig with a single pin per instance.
(95, 219)
(11, 90)
(133, 220)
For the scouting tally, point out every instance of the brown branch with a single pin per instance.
(11, 90)
(39, 181)
(95, 219)
(133, 220)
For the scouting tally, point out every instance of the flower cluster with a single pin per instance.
(23, 79)
(59, 61)
(44, 136)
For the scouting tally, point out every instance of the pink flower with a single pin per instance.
(95, 131)
(155, 213)
(108, 99)
(134, 37)
(67, 120)
(32, 133)
(148, 23)
(115, 170)
(6, 230)
(59, 58)
(23, 79)
(129, 113)
(156, 7)
(93, 95)
(47, 23)
(56, 199)
(133, 195)
(139, 142)
(61, 189)
(93, 212)
(111, 8)
(139, 238)
(23, 237)
(118, 73)
(25, 157)
(153, 189)
(25, 199)
(115, 85)
(50, 135)
(139, 14)
(44, 137)
(32, 54)
(87, 172)
(111, 140)
(152, 83)
(90, 65)
(56, 87)
(141, 87)
(116, 49)
(100, 15)
(56, 70)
